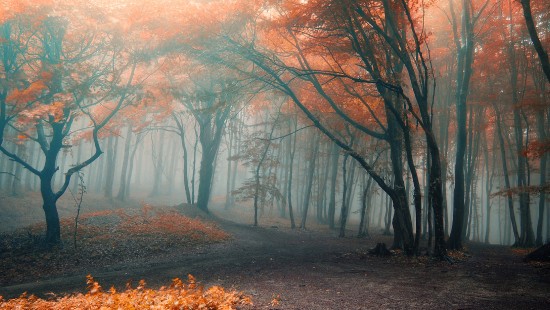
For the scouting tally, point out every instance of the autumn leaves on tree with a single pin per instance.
(429, 85)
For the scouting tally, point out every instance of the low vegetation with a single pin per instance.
(178, 295)
(103, 238)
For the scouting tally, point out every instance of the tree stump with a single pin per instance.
(542, 254)
(380, 250)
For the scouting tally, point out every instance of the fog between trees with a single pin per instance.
(425, 122)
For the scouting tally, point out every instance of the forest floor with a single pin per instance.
(280, 268)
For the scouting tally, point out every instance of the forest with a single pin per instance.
(289, 154)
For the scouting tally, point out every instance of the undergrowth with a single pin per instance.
(178, 295)
(103, 238)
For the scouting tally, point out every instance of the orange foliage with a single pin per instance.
(177, 296)
(150, 222)
(29, 94)
(104, 238)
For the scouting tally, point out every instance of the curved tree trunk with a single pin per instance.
(543, 55)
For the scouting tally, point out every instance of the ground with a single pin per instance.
(314, 269)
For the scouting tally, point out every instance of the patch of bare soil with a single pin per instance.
(296, 269)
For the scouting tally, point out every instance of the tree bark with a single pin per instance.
(543, 55)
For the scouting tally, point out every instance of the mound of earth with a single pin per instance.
(103, 238)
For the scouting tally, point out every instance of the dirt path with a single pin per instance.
(316, 270)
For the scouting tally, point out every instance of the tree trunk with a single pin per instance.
(527, 238)
(503, 159)
(489, 175)
(122, 189)
(343, 211)
(53, 229)
(131, 166)
(158, 164)
(321, 188)
(228, 194)
(309, 180)
(78, 158)
(335, 154)
(542, 178)
(543, 55)
(172, 169)
(364, 222)
(110, 167)
(289, 197)
(464, 72)
(16, 180)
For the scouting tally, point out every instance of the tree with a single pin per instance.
(464, 43)
(210, 97)
(537, 44)
(278, 72)
(258, 155)
(65, 72)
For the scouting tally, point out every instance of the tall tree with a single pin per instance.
(54, 82)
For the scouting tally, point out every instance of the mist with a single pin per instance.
(290, 138)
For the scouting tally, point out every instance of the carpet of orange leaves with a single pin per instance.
(522, 251)
(103, 238)
(178, 295)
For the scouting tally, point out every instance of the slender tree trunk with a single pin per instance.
(344, 209)
(123, 174)
(194, 166)
(158, 164)
(110, 168)
(505, 172)
(185, 166)
(347, 199)
(29, 175)
(131, 166)
(322, 185)
(17, 172)
(139, 163)
(527, 238)
(291, 167)
(489, 175)
(542, 179)
(335, 154)
(309, 177)
(235, 164)
(228, 194)
(287, 150)
(172, 168)
(78, 157)
(364, 222)
(464, 72)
